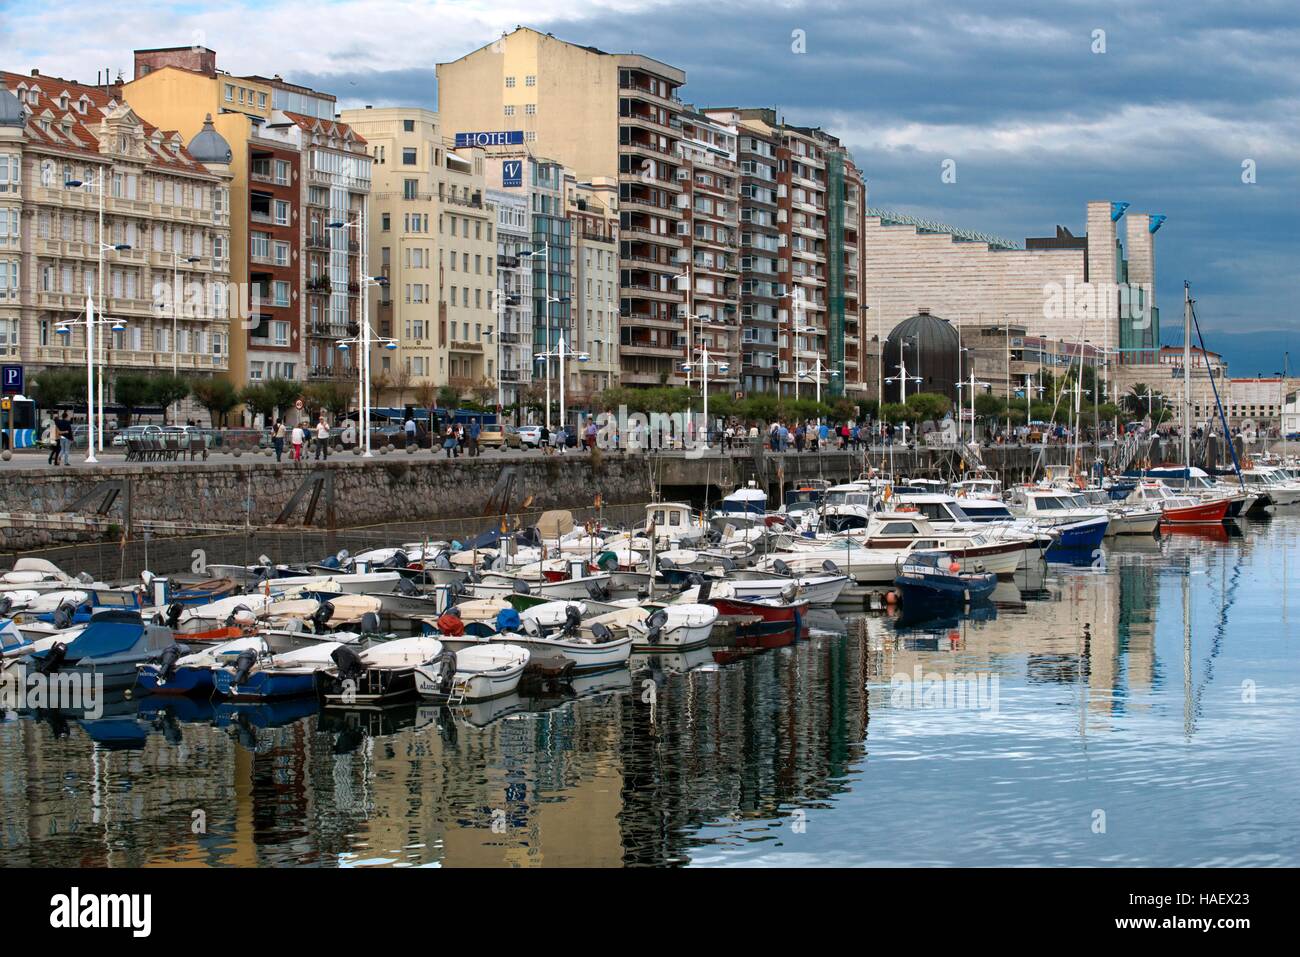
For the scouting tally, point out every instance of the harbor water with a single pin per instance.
(1141, 707)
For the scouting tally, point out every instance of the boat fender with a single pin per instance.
(954, 567)
(655, 626)
(322, 615)
(167, 663)
(243, 666)
(53, 658)
(348, 662)
(890, 598)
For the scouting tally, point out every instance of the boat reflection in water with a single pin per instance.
(752, 752)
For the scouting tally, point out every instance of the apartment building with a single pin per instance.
(295, 171)
(433, 236)
(598, 114)
(514, 292)
(710, 230)
(71, 153)
(593, 215)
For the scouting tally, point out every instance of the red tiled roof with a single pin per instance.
(329, 127)
(78, 136)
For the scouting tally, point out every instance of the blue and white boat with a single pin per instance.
(932, 577)
(111, 645)
(255, 676)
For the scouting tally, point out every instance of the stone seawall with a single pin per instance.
(35, 504)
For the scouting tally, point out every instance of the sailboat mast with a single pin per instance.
(1187, 376)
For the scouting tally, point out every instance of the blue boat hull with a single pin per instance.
(264, 685)
(1075, 538)
(945, 588)
(184, 681)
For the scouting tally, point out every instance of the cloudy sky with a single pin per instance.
(1019, 95)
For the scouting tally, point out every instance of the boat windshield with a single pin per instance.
(1048, 503)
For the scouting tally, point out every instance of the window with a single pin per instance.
(283, 172)
(280, 333)
(510, 82)
(261, 100)
(385, 222)
(530, 109)
(282, 212)
(280, 292)
(281, 253)
(260, 245)
(510, 109)
(230, 93)
(408, 126)
(410, 189)
(530, 80)
(408, 156)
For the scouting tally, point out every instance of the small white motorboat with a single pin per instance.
(476, 673)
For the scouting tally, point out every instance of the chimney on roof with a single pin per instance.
(36, 72)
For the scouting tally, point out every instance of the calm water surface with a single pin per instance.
(1142, 712)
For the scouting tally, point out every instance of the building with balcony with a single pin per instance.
(598, 114)
(593, 218)
(69, 151)
(432, 234)
(514, 292)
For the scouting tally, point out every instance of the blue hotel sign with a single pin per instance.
(496, 138)
(512, 173)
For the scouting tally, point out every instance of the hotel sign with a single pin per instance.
(495, 138)
(512, 173)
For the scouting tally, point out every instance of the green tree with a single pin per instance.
(166, 389)
(927, 405)
(285, 392)
(989, 406)
(331, 395)
(894, 413)
(259, 400)
(215, 394)
(132, 389)
(58, 387)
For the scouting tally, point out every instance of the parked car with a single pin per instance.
(529, 435)
(134, 432)
(491, 437)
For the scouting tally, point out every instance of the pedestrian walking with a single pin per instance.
(449, 442)
(322, 439)
(409, 429)
(50, 439)
(474, 430)
(64, 425)
(544, 440)
(277, 438)
(296, 438)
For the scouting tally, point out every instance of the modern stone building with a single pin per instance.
(433, 235)
(94, 199)
(608, 115)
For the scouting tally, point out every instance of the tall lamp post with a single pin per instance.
(560, 352)
(177, 259)
(818, 374)
(903, 378)
(972, 385)
(65, 329)
(365, 335)
(99, 279)
(705, 364)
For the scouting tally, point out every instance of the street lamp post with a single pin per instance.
(972, 384)
(818, 373)
(365, 334)
(705, 363)
(903, 378)
(99, 282)
(65, 329)
(177, 259)
(560, 352)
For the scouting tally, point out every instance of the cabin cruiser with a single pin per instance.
(1198, 483)
(1076, 525)
(1125, 518)
(1270, 481)
(1179, 509)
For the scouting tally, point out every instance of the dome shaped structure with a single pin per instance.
(928, 346)
(210, 147)
(11, 111)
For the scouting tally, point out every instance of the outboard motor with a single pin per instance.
(667, 564)
(521, 587)
(174, 612)
(781, 568)
(369, 623)
(706, 588)
(655, 626)
(330, 563)
(443, 666)
(790, 592)
(320, 618)
(406, 587)
(831, 568)
(243, 667)
(601, 633)
(572, 620)
(233, 618)
(399, 559)
(532, 628)
(442, 561)
(167, 663)
(53, 659)
(727, 564)
(348, 662)
(598, 591)
(63, 615)
(6, 603)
